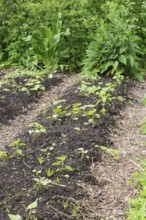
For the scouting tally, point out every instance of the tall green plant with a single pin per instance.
(115, 47)
(45, 43)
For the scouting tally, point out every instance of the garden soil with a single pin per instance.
(95, 182)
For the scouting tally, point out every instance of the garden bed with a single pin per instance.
(17, 93)
(48, 161)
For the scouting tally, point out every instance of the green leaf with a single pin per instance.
(50, 172)
(3, 154)
(123, 59)
(28, 38)
(32, 205)
(69, 168)
(122, 49)
(14, 217)
(131, 59)
(116, 65)
(56, 38)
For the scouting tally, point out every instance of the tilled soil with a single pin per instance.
(19, 118)
(50, 166)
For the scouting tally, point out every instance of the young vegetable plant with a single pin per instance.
(29, 211)
(83, 153)
(3, 154)
(60, 161)
(35, 129)
(16, 147)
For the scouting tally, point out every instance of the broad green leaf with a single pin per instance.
(3, 154)
(139, 76)
(69, 168)
(14, 217)
(123, 59)
(131, 59)
(116, 65)
(32, 205)
(122, 49)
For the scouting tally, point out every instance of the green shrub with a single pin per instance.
(116, 46)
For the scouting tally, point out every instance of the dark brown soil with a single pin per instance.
(63, 137)
(14, 102)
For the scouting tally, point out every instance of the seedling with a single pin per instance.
(41, 160)
(15, 217)
(3, 154)
(30, 209)
(50, 172)
(75, 210)
(16, 145)
(83, 153)
(112, 152)
(43, 181)
(61, 162)
(36, 128)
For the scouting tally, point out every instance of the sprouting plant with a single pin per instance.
(15, 217)
(58, 112)
(42, 181)
(65, 204)
(41, 160)
(112, 152)
(83, 153)
(31, 207)
(75, 210)
(50, 172)
(60, 161)
(16, 147)
(29, 211)
(3, 154)
(36, 128)
(32, 86)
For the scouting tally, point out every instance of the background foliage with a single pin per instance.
(100, 36)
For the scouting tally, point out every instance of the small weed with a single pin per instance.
(30, 212)
(113, 152)
(61, 163)
(36, 128)
(50, 172)
(83, 153)
(3, 154)
(16, 147)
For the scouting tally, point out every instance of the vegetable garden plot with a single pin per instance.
(47, 162)
(18, 91)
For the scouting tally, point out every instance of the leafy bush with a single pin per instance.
(116, 46)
